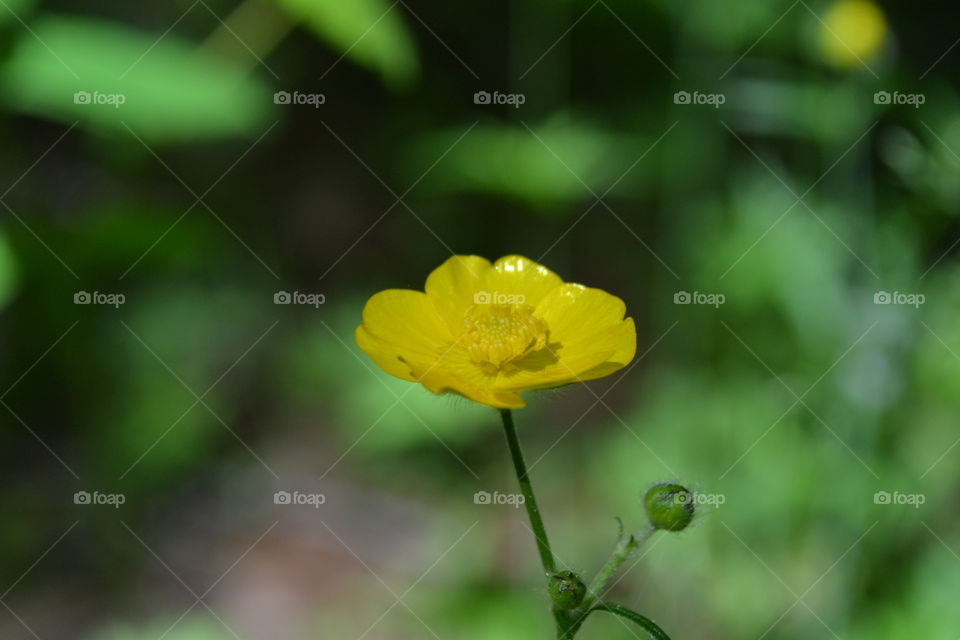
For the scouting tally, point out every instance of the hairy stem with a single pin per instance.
(623, 550)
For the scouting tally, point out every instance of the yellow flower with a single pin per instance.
(853, 32)
(491, 331)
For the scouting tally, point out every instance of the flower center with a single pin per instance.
(495, 335)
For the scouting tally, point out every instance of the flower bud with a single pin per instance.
(669, 506)
(566, 589)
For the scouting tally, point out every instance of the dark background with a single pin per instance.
(800, 199)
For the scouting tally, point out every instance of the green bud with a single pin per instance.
(669, 506)
(566, 589)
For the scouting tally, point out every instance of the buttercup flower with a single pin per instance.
(853, 32)
(491, 331)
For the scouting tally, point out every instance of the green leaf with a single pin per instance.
(369, 32)
(104, 75)
(548, 166)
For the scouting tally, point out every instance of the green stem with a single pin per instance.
(567, 624)
(623, 550)
(644, 622)
(529, 500)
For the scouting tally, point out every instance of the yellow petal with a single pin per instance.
(576, 313)
(623, 338)
(455, 372)
(589, 338)
(564, 368)
(519, 276)
(402, 327)
(384, 355)
(452, 286)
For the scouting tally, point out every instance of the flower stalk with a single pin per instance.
(529, 500)
(570, 619)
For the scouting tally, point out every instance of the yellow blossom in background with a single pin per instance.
(491, 331)
(853, 32)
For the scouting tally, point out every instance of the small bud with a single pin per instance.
(669, 506)
(566, 590)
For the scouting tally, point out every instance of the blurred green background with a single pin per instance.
(799, 159)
